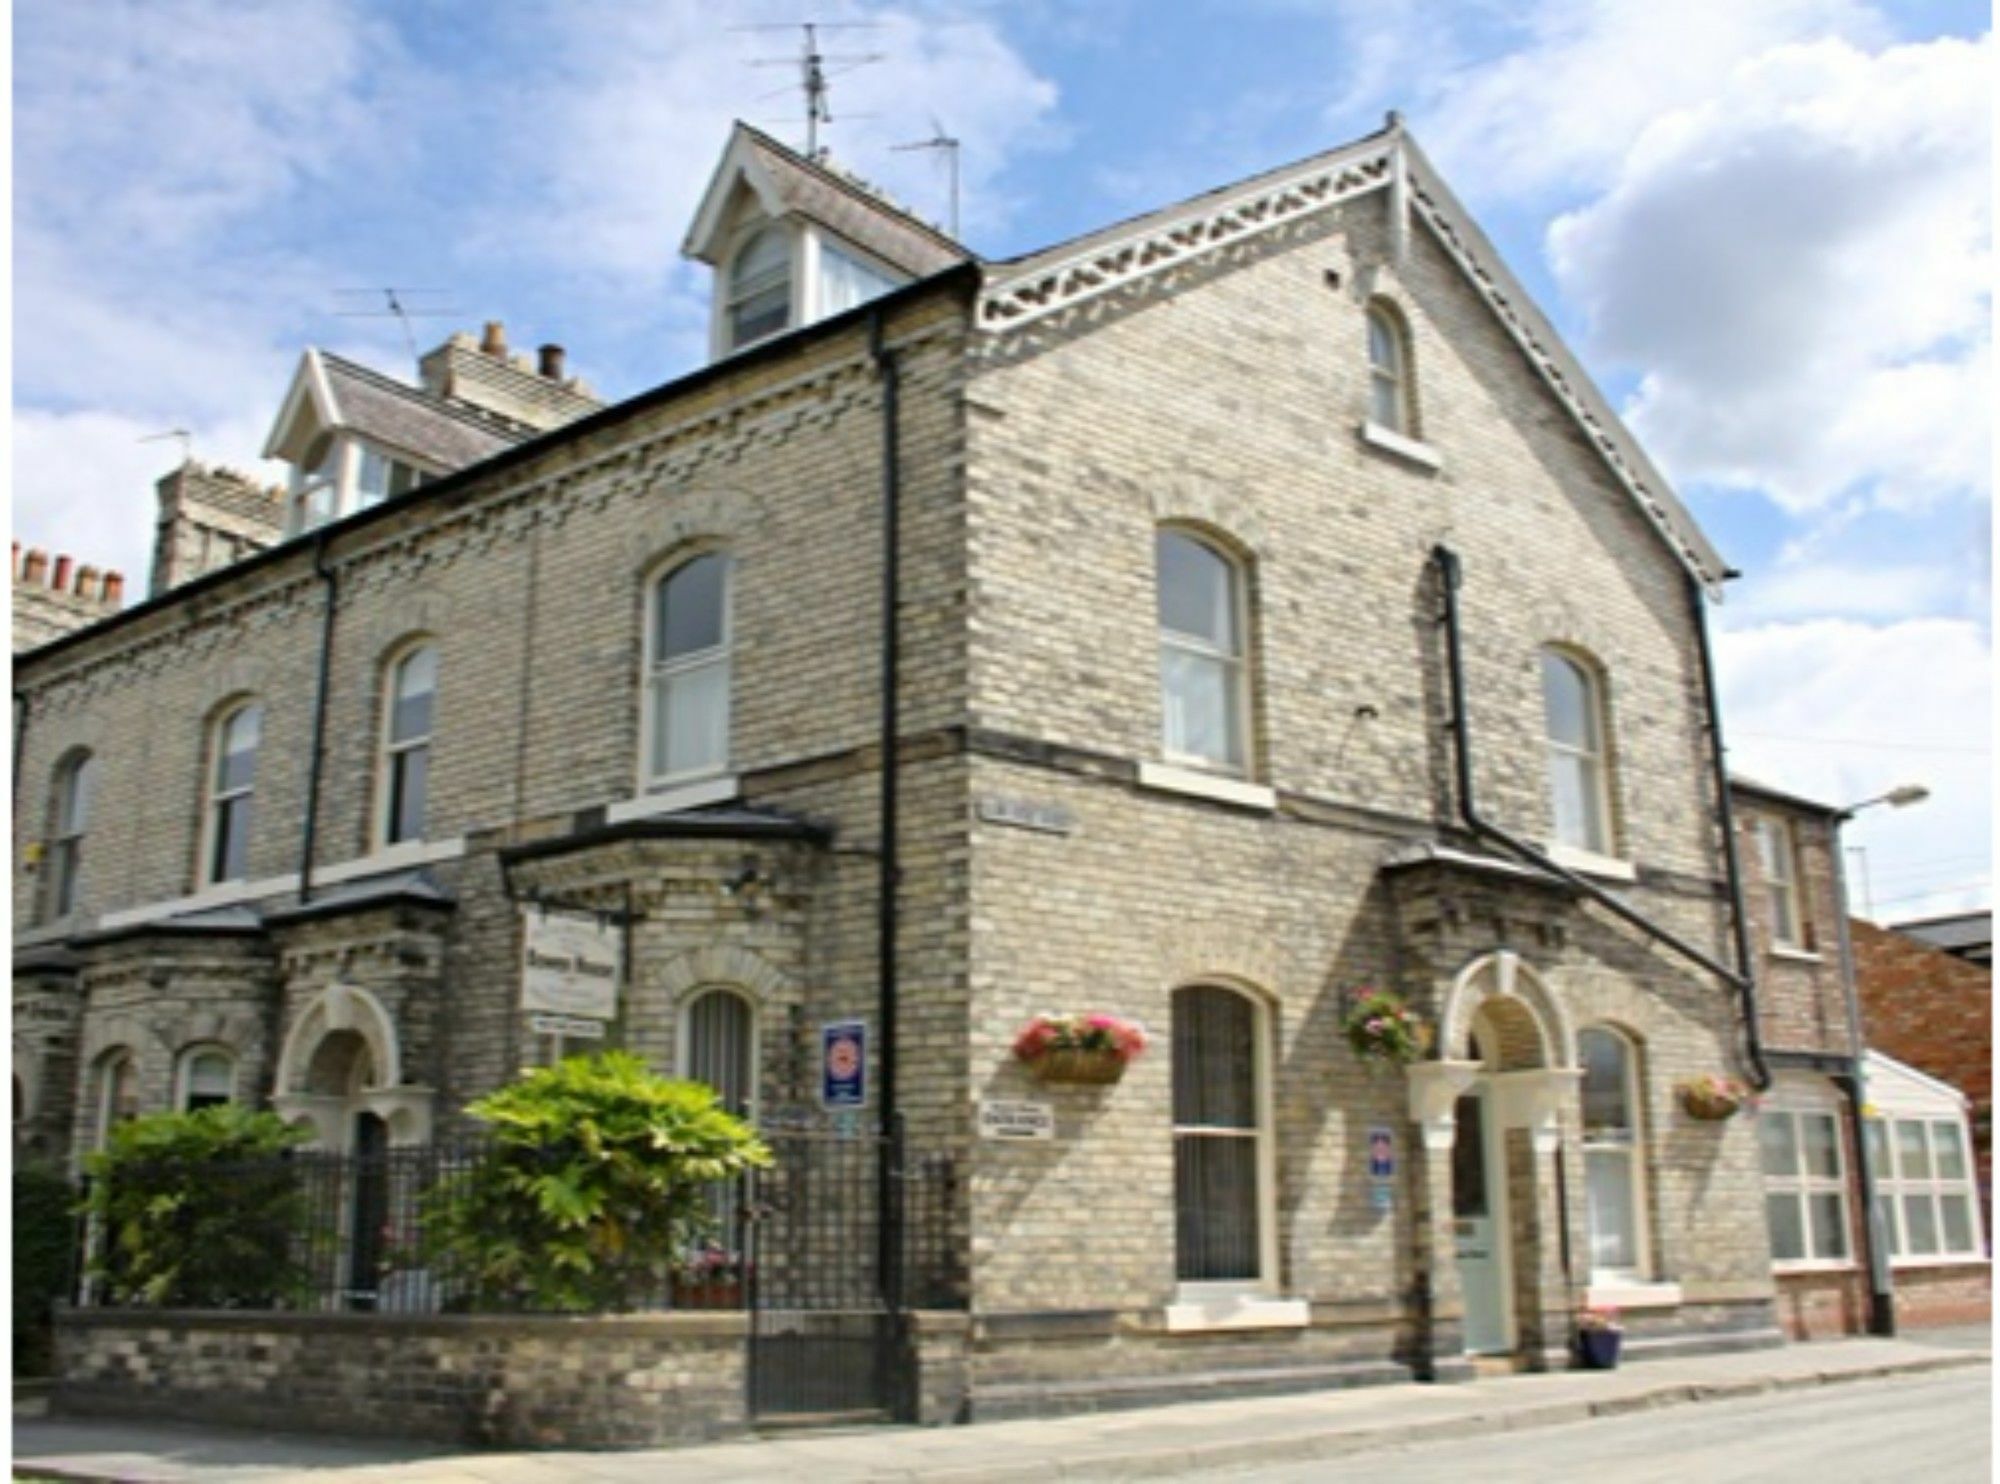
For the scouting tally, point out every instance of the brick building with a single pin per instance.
(49, 599)
(1274, 609)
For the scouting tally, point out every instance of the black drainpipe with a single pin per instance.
(1446, 562)
(20, 742)
(888, 1188)
(316, 764)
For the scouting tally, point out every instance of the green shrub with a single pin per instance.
(592, 1191)
(44, 1229)
(197, 1210)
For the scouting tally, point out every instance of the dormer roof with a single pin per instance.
(785, 183)
(329, 393)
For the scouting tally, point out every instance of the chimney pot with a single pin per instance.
(34, 570)
(495, 341)
(60, 582)
(114, 589)
(552, 362)
(86, 582)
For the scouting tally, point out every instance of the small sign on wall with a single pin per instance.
(1016, 1121)
(843, 1064)
(570, 1027)
(571, 963)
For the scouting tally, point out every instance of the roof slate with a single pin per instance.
(868, 220)
(401, 417)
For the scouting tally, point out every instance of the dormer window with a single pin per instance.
(846, 281)
(341, 475)
(760, 288)
(382, 478)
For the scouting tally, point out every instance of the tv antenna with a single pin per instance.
(944, 144)
(186, 441)
(813, 73)
(394, 308)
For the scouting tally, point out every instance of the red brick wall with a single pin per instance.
(1955, 1294)
(1935, 1012)
(1823, 1306)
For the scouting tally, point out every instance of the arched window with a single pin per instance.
(407, 707)
(687, 672)
(1390, 404)
(206, 1076)
(1574, 709)
(1203, 696)
(117, 1092)
(1613, 1167)
(760, 288)
(1223, 1222)
(75, 782)
(231, 792)
(718, 1045)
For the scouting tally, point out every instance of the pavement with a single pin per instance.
(1150, 1443)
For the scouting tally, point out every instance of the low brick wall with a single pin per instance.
(487, 1380)
(1948, 1293)
(1823, 1305)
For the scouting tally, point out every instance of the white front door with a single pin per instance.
(1478, 1211)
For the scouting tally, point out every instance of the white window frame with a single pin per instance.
(1235, 667)
(1633, 1150)
(1209, 1292)
(1893, 1188)
(684, 1048)
(1595, 761)
(214, 797)
(1797, 1103)
(1391, 377)
(1778, 859)
(659, 672)
(108, 1067)
(733, 294)
(184, 1073)
(72, 824)
(391, 750)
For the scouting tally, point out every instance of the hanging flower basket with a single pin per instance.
(1383, 1029)
(1711, 1099)
(1092, 1049)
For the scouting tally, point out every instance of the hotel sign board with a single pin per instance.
(571, 964)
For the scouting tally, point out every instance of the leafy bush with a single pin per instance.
(44, 1228)
(594, 1187)
(197, 1210)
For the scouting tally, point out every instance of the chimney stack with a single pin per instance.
(494, 343)
(552, 362)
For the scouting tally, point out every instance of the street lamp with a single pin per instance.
(1881, 1290)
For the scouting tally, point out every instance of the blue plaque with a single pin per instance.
(843, 1064)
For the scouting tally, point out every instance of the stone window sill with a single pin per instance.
(1402, 446)
(674, 800)
(1168, 779)
(1590, 863)
(1619, 1293)
(1792, 955)
(1237, 1311)
(1949, 1260)
(391, 858)
(1815, 1265)
(221, 894)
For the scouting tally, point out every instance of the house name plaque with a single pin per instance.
(1016, 1121)
(570, 964)
(1046, 819)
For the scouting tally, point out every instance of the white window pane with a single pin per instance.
(719, 1045)
(1878, 1148)
(846, 281)
(1957, 1213)
(1885, 1215)
(1197, 592)
(1566, 703)
(1614, 1238)
(1822, 1145)
(1788, 1236)
(1385, 403)
(1383, 349)
(1779, 1141)
(691, 720)
(1605, 1114)
(1573, 789)
(1198, 695)
(1920, 1225)
(1913, 1156)
(690, 604)
(1950, 1149)
(80, 783)
(1829, 1224)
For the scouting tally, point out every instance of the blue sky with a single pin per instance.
(1764, 224)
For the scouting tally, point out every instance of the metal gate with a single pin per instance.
(843, 1235)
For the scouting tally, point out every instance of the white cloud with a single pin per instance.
(1518, 98)
(1801, 265)
(1842, 711)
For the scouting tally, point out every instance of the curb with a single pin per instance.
(1331, 1443)
(1335, 1443)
